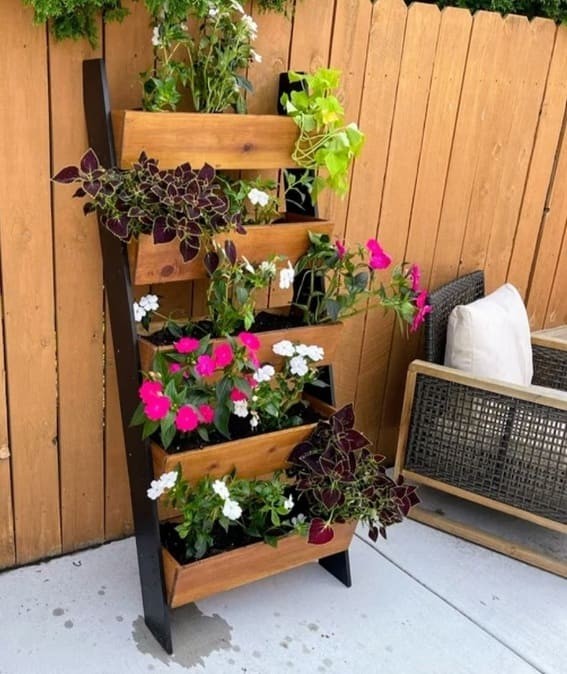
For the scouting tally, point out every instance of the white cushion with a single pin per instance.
(490, 338)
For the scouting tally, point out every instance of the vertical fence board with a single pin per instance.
(471, 123)
(403, 159)
(541, 167)
(376, 115)
(79, 312)
(7, 543)
(128, 51)
(27, 280)
(442, 109)
(557, 304)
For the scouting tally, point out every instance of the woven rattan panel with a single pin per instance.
(550, 367)
(503, 448)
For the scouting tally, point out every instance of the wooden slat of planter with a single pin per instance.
(226, 571)
(253, 456)
(224, 141)
(162, 263)
(325, 336)
(7, 549)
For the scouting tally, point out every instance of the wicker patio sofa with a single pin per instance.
(500, 445)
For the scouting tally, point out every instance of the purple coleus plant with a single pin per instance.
(184, 203)
(339, 478)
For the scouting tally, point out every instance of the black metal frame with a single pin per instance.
(118, 287)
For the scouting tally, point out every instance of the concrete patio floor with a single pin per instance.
(422, 602)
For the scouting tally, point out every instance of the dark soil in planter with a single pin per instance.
(264, 322)
(239, 428)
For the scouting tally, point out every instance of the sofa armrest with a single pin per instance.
(550, 362)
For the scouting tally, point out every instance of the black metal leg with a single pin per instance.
(338, 565)
(119, 294)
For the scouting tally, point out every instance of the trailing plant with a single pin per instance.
(341, 479)
(77, 18)
(203, 46)
(552, 9)
(286, 7)
(200, 387)
(183, 203)
(332, 282)
(326, 145)
(233, 286)
(259, 509)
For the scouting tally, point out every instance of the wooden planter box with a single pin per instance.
(190, 582)
(326, 336)
(253, 456)
(161, 263)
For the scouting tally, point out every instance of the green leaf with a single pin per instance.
(150, 427)
(138, 417)
(167, 435)
(222, 417)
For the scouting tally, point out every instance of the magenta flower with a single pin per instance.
(174, 368)
(415, 277)
(186, 345)
(379, 259)
(341, 249)
(236, 395)
(223, 355)
(252, 381)
(249, 340)
(157, 408)
(205, 366)
(422, 310)
(187, 419)
(207, 413)
(149, 390)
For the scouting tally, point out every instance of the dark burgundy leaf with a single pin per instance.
(189, 248)
(373, 533)
(299, 451)
(211, 261)
(332, 497)
(79, 193)
(207, 173)
(67, 175)
(89, 207)
(343, 420)
(162, 232)
(230, 250)
(352, 440)
(118, 226)
(238, 226)
(89, 161)
(93, 188)
(319, 532)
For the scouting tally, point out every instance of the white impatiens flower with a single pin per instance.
(264, 373)
(284, 348)
(258, 197)
(254, 419)
(231, 509)
(168, 480)
(156, 39)
(149, 302)
(241, 408)
(267, 267)
(213, 11)
(156, 490)
(289, 503)
(287, 274)
(159, 486)
(139, 312)
(251, 26)
(314, 353)
(300, 519)
(249, 268)
(237, 6)
(298, 366)
(220, 488)
(255, 56)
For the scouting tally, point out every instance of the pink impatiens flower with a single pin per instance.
(341, 249)
(422, 310)
(415, 277)
(223, 355)
(187, 419)
(149, 390)
(205, 366)
(249, 340)
(379, 259)
(186, 345)
(157, 408)
(236, 395)
(207, 413)
(252, 381)
(174, 367)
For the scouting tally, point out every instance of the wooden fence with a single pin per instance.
(465, 167)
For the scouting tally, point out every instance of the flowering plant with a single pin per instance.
(209, 61)
(325, 142)
(341, 479)
(233, 286)
(211, 509)
(332, 280)
(183, 202)
(201, 387)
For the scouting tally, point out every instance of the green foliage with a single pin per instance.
(76, 18)
(286, 7)
(325, 142)
(552, 9)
